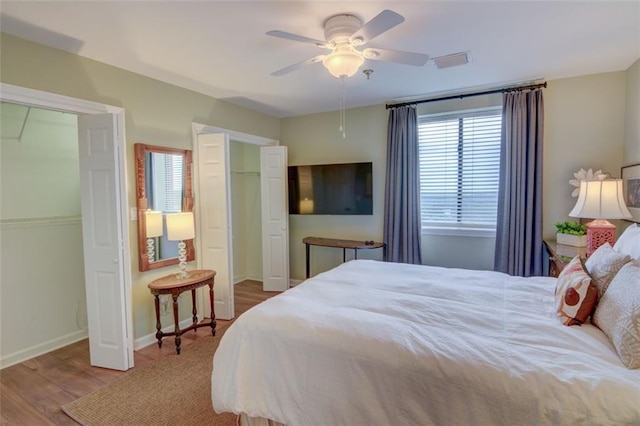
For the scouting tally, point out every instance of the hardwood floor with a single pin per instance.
(31, 393)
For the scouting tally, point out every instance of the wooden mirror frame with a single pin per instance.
(142, 203)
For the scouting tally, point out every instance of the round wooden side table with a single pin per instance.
(174, 286)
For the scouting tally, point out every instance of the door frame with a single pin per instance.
(47, 100)
(197, 129)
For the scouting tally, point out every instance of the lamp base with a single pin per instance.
(151, 255)
(182, 258)
(183, 275)
(599, 231)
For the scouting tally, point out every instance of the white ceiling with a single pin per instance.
(220, 48)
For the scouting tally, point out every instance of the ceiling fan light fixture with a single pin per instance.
(344, 61)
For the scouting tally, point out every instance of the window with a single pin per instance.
(459, 155)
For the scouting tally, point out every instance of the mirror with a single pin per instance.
(163, 184)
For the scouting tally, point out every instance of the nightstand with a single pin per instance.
(560, 255)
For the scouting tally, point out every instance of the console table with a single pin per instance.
(174, 286)
(343, 244)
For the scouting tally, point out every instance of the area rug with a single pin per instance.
(175, 390)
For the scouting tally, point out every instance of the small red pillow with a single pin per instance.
(576, 296)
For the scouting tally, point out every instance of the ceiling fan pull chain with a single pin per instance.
(343, 123)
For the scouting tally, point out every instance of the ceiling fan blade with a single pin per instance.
(296, 37)
(300, 64)
(382, 22)
(408, 58)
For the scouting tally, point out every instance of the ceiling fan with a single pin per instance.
(344, 34)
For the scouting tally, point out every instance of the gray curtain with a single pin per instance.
(402, 188)
(519, 227)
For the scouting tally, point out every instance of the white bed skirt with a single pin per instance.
(245, 420)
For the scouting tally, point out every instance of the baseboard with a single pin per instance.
(292, 282)
(42, 348)
(240, 278)
(150, 339)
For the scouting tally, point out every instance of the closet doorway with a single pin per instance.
(107, 267)
(246, 223)
(40, 214)
(215, 219)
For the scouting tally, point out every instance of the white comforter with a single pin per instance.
(374, 343)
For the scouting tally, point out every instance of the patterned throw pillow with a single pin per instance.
(629, 242)
(575, 296)
(618, 314)
(604, 264)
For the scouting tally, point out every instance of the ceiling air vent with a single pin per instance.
(452, 60)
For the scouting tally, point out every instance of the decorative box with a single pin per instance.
(572, 240)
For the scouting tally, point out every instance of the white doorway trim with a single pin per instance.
(197, 129)
(40, 99)
(37, 98)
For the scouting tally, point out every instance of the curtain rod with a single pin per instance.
(468, 95)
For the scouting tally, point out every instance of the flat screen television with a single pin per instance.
(331, 189)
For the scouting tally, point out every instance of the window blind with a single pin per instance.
(173, 176)
(168, 192)
(459, 160)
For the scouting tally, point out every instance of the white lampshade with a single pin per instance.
(601, 199)
(344, 61)
(153, 223)
(180, 226)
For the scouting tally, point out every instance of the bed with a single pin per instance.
(376, 343)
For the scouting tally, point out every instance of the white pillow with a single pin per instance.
(604, 264)
(575, 295)
(618, 314)
(629, 242)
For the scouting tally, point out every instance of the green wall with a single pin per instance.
(584, 128)
(44, 161)
(632, 120)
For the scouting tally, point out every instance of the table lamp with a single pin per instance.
(180, 228)
(306, 206)
(600, 200)
(153, 229)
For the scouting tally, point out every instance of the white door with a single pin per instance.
(109, 340)
(213, 217)
(275, 218)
